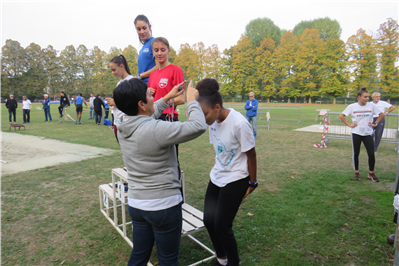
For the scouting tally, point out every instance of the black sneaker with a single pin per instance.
(356, 177)
(373, 177)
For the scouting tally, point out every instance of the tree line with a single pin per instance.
(309, 61)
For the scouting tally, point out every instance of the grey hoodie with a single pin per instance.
(149, 153)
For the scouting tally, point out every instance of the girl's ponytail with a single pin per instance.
(121, 60)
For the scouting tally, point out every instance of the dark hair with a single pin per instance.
(79, 94)
(120, 60)
(362, 90)
(160, 39)
(62, 92)
(208, 90)
(128, 94)
(145, 19)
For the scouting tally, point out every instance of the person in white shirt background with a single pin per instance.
(91, 103)
(379, 129)
(362, 129)
(26, 107)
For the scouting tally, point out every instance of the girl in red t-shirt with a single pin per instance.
(167, 76)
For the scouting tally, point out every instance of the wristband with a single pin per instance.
(138, 76)
(253, 184)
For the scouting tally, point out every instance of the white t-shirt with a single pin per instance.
(231, 139)
(91, 101)
(26, 104)
(362, 115)
(118, 113)
(382, 105)
(155, 204)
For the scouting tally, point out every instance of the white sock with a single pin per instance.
(222, 261)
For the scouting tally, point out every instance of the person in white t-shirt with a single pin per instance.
(379, 129)
(362, 129)
(26, 107)
(120, 69)
(91, 104)
(233, 176)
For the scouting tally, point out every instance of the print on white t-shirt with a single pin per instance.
(223, 155)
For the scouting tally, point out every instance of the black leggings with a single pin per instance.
(221, 206)
(369, 144)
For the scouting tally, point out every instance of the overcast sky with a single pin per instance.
(110, 23)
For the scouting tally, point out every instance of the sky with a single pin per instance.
(109, 24)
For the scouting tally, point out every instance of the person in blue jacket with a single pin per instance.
(145, 61)
(46, 107)
(106, 107)
(252, 111)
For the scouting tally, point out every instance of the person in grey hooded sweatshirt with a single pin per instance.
(149, 154)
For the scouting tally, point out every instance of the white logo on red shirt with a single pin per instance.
(163, 83)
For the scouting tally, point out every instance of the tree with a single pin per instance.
(308, 64)
(187, 59)
(33, 82)
(362, 53)
(131, 56)
(243, 66)
(172, 55)
(103, 80)
(70, 82)
(261, 28)
(52, 66)
(327, 28)
(12, 66)
(285, 65)
(388, 49)
(85, 71)
(265, 69)
(227, 88)
(333, 73)
(213, 63)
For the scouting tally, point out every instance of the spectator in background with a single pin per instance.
(98, 112)
(91, 103)
(252, 111)
(79, 107)
(12, 106)
(46, 108)
(379, 129)
(64, 102)
(26, 107)
(106, 108)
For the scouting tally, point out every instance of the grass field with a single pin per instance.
(307, 210)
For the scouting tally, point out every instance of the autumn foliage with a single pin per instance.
(309, 61)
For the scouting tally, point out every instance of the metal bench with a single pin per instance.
(113, 200)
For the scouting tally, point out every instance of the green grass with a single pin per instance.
(307, 210)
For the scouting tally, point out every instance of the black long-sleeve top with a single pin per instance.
(97, 104)
(12, 104)
(64, 100)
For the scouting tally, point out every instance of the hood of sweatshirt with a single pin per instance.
(129, 124)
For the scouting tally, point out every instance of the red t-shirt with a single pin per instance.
(163, 82)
